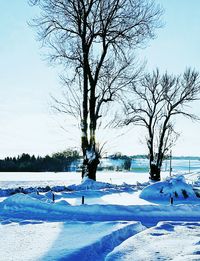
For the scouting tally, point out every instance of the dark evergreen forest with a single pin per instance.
(60, 161)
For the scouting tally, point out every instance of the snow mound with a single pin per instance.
(175, 187)
(62, 203)
(23, 200)
(43, 198)
(88, 183)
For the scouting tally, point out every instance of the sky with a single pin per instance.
(27, 122)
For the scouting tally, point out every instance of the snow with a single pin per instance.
(114, 223)
(63, 241)
(118, 199)
(90, 155)
(32, 179)
(175, 187)
(87, 183)
(24, 206)
(176, 241)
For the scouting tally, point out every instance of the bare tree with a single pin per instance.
(95, 40)
(158, 99)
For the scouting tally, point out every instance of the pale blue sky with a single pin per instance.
(26, 121)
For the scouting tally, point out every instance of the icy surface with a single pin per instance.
(178, 241)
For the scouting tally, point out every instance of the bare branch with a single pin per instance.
(95, 41)
(158, 99)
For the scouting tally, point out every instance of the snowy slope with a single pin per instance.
(177, 241)
(29, 240)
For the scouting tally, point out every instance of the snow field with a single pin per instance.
(28, 179)
(107, 226)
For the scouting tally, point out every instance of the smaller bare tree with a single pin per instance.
(157, 100)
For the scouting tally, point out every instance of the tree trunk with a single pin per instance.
(90, 163)
(154, 172)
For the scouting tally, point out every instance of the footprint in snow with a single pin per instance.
(157, 234)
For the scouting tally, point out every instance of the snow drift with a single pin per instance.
(166, 241)
(22, 206)
(175, 187)
(71, 240)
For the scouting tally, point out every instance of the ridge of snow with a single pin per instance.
(23, 206)
(107, 236)
(166, 241)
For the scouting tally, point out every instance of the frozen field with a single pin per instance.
(26, 179)
(118, 218)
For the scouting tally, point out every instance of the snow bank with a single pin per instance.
(87, 184)
(22, 206)
(90, 184)
(31, 201)
(166, 241)
(96, 240)
(175, 187)
(31, 204)
(11, 191)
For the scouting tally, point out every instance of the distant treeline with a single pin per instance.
(68, 160)
(119, 155)
(60, 161)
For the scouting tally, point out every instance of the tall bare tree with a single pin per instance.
(95, 40)
(157, 101)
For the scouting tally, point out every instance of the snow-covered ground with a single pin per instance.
(178, 241)
(120, 214)
(27, 179)
(73, 240)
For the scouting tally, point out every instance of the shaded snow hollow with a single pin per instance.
(175, 187)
